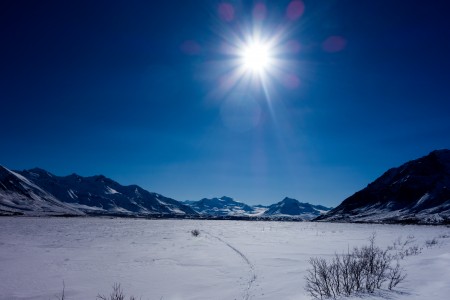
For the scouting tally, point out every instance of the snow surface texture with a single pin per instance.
(160, 259)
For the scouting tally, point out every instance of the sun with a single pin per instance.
(256, 57)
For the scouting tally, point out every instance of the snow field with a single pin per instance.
(160, 259)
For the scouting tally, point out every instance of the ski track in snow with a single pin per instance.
(252, 278)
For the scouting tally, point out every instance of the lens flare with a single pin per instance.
(254, 54)
(256, 57)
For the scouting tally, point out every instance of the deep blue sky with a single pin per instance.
(132, 90)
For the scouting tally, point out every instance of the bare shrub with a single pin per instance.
(431, 243)
(195, 232)
(400, 244)
(116, 294)
(410, 239)
(395, 276)
(404, 248)
(63, 293)
(363, 269)
(318, 282)
(412, 250)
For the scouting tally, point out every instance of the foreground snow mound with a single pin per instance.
(20, 196)
(416, 192)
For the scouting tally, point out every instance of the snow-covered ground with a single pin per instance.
(160, 259)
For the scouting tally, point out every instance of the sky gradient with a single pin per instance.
(138, 91)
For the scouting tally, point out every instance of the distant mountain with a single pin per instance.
(289, 207)
(285, 209)
(18, 195)
(416, 192)
(223, 206)
(38, 192)
(92, 195)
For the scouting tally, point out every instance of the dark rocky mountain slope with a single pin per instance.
(90, 195)
(416, 192)
(20, 196)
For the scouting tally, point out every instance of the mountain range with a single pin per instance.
(223, 206)
(287, 208)
(415, 192)
(38, 192)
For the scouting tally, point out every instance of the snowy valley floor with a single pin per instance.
(160, 259)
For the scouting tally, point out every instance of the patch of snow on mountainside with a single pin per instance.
(85, 207)
(72, 194)
(423, 199)
(111, 190)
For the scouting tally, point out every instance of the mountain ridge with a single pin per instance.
(220, 206)
(74, 194)
(92, 195)
(417, 191)
(286, 208)
(18, 195)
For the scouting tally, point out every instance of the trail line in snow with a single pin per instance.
(252, 278)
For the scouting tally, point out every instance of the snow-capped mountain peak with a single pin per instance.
(226, 206)
(223, 206)
(293, 207)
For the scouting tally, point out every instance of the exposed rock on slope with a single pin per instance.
(416, 192)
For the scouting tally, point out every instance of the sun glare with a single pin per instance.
(256, 57)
